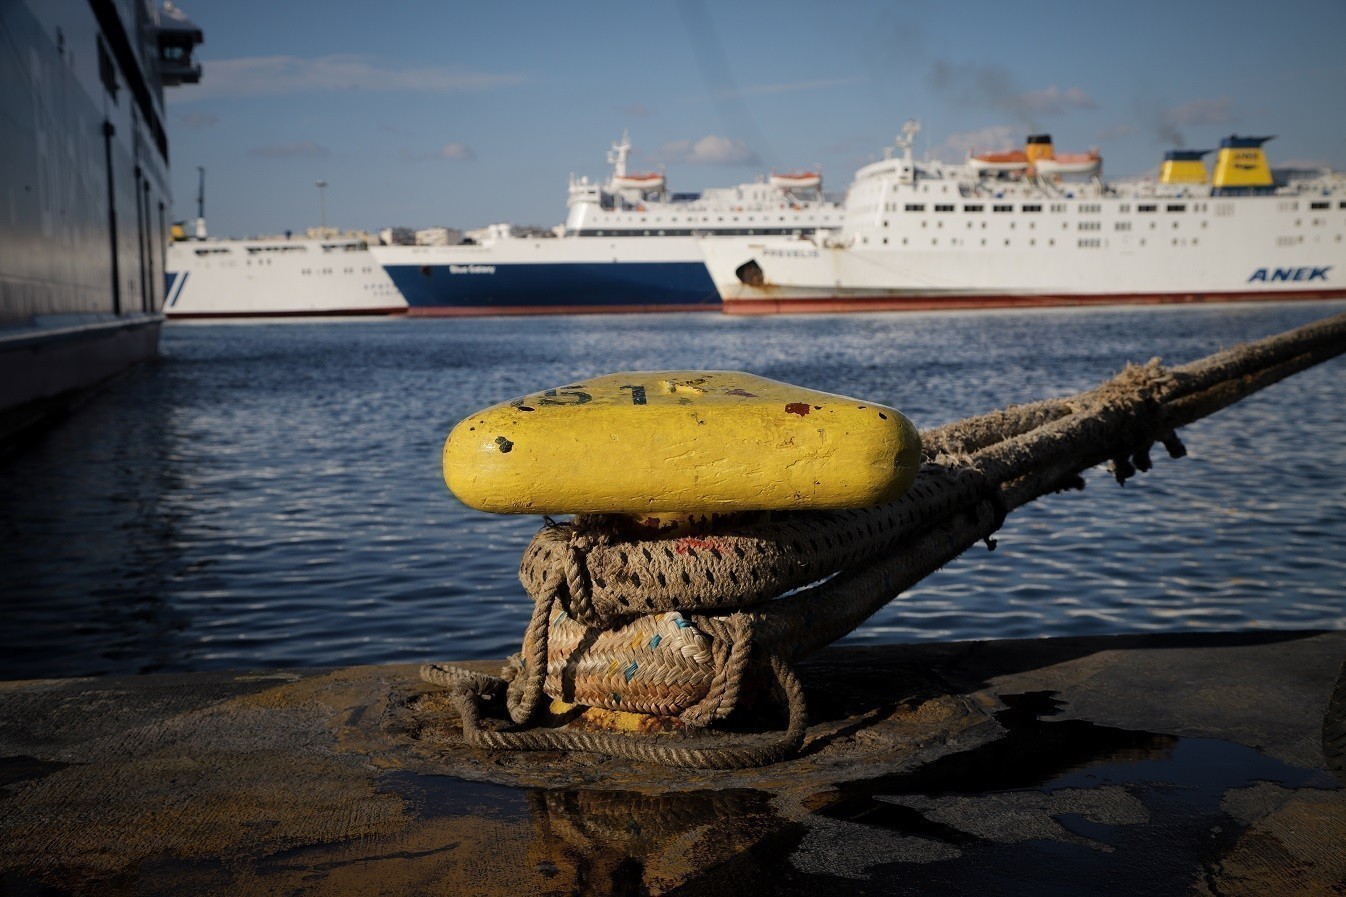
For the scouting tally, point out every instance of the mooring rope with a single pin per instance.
(675, 626)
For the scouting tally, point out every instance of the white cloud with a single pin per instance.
(709, 150)
(456, 151)
(460, 151)
(276, 75)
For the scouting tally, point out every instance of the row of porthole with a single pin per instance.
(1065, 225)
(1087, 242)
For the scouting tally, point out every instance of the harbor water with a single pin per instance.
(268, 495)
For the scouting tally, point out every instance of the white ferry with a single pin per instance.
(277, 277)
(1014, 229)
(628, 245)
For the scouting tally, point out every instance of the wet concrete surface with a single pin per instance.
(1188, 764)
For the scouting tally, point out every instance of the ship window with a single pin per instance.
(1123, 225)
(1176, 207)
(1342, 204)
(1002, 208)
(972, 208)
(1320, 205)
(1146, 207)
(915, 207)
(1033, 208)
(1124, 207)
(1090, 208)
(943, 208)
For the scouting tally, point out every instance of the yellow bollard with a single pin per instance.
(685, 444)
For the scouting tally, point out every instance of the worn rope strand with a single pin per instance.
(842, 566)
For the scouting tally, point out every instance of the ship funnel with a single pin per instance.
(1241, 167)
(1039, 146)
(1183, 167)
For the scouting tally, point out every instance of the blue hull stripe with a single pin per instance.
(561, 285)
(176, 281)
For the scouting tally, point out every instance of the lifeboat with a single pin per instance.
(798, 180)
(1014, 160)
(1071, 163)
(644, 181)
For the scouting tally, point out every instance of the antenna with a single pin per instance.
(201, 202)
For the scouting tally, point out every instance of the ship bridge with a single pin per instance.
(178, 36)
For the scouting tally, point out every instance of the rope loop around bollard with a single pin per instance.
(679, 623)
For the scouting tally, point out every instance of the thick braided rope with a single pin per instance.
(1042, 448)
(732, 754)
(737, 567)
(526, 683)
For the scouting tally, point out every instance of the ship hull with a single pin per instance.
(830, 304)
(552, 276)
(1249, 249)
(229, 279)
(82, 248)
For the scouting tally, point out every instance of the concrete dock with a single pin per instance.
(1163, 764)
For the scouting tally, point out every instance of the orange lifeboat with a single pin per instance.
(798, 180)
(1071, 163)
(644, 181)
(1013, 160)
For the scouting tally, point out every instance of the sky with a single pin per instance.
(464, 114)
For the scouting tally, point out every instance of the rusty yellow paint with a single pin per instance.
(666, 442)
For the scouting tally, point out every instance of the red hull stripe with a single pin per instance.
(939, 303)
(443, 311)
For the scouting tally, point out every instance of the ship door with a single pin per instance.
(108, 74)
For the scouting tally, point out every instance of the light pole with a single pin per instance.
(322, 204)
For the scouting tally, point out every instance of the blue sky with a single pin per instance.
(468, 113)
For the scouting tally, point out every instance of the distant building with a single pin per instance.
(488, 233)
(439, 236)
(535, 230)
(397, 236)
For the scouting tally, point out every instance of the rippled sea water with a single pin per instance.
(270, 495)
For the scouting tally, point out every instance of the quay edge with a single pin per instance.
(1146, 763)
